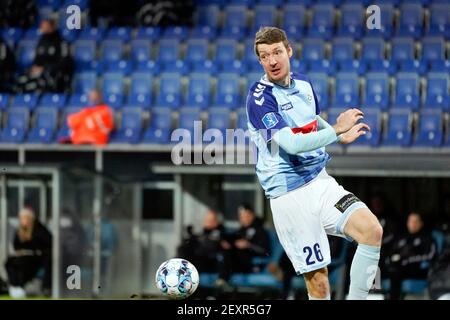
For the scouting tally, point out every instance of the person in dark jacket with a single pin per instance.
(7, 64)
(52, 66)
(411, 255)
(32, 252)
(249, 241)
(206, 249)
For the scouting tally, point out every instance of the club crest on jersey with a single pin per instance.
(286, 106)
(270, 120)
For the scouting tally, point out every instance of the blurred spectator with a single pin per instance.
(411, 255)
(438, 277)
(95, 98)
(17, 13)
(378, 205)
(205, 250)
(112, 12)
(52, 67)
(32, 245)
(166, 13)
(7, 64)
(250, 240)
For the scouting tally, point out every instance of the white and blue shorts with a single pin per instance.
(303, 217)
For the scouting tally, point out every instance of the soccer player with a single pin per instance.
(307, 203)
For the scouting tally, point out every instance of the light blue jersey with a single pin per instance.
(272, 107)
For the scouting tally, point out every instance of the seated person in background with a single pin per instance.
(95, 98)
(53, 65)
(411, 255)
(251, 240)
(205, 250)
(32, 246)
(7, 65)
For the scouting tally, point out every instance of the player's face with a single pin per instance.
(275, 60)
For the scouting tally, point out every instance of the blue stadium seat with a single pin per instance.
(63, 133)
(235, 21)
(54, 100)
(333, 113)
(373, 118)
(264, 15)
(46, 121)
(373, 49)
(197, 50)
(149, 66)
(111, 50)
(343, 49)
(227, 93)
(347, 90)
(407, 91)
(351, 20)
(218, 123)
(31, 34)
(385, 65)
(25, 53)
(141, 90)
(11, 35)
(113, 89)
(439, 20)
(387, 14)
(440, 65)
(179, 33)
(130, 127)
(399, 128)
(321, 87)
(207, 16)
(119, 33)
(189, 119)
(204, 32)
(84, 51)
(251, 78)
(169, 94)
(77, 100)
(148, 33)
(241, 121)
(235, 66)
(180, 66)
(377, 93)
(324, 65)
(141, 50)
(226, 50)
(416, 66)
(402, 49)
(169, 50)
(430, 130)
(16, 125)
(433, 48)
(4, 100)
(83, 4)
(437, 95)
(160, 126)
(206, 66)
(411, 20)
(26, 100)
(84, 82)
(92, 33)
(298, 66)
(358, 66)
(118, 66)
(322, 24)
(294, 21)
(199, 88)
(313, 49)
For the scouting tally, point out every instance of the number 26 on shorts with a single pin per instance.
(313, 253)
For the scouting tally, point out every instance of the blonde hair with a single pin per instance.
(270, 35)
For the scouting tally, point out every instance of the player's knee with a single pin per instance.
(374, 234)
(318, 284)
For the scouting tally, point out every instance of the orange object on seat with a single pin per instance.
(91, 125)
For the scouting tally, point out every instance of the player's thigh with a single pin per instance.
(300, 231)
(363, 226)
(338, 205)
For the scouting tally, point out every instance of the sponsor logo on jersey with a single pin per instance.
(270, 120)
(346, 201)
(286, 106)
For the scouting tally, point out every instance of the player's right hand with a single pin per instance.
(347, 119)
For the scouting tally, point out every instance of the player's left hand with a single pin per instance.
(354, 133)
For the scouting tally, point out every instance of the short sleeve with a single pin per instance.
(263, 114)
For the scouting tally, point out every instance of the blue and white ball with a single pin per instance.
(177, 278)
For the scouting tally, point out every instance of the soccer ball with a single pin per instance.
(177, 278)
